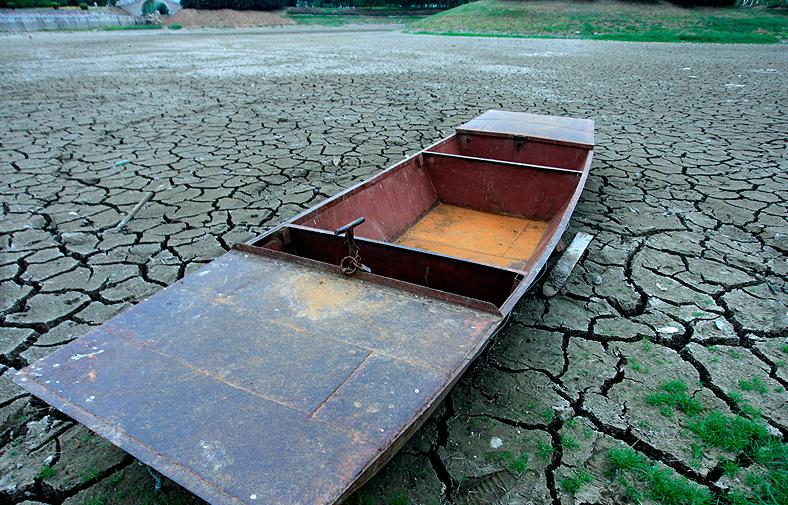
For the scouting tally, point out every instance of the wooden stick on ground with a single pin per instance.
(145, 199)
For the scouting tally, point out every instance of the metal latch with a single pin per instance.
(351, 263)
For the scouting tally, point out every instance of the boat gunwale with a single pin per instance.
(503, 162)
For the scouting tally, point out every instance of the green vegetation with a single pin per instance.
(175, 26)
(674, 395)
(731, 433)
(548, 415)
(90, 474)
(337, 20)
(516, 464)
(46, 472)
(659, 484)
(151, 6)
(637, 366)
(730, 467)
(572, 484)
(744, 436)
(569, 443)
(629, 21)
(544, 451)
(495, 456)
(754, 384)
(519, 464)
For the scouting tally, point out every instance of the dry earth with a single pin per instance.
(235, 132)
(196, 18)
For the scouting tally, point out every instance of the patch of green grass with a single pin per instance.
(569, 443)
(572, 423)
(730, 467)
(497, 456)
(674, 395)
(573, 483)
(175, 26)
(660, 484)
(731, 433)
(646, 345)
(745, 407)
(544, 451)
(656, 21)
(89, 474)
(115, 478)
(131, 27)
(519, 464)
(637, 366)
(697, 455)
(548, 415)
(399, 499)
(46, 472)
(754, 384)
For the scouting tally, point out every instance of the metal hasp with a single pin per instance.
(351, 263)
(271, 376)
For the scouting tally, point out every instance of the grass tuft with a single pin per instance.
(46, 472)
(673, 395)
(544, 451)
(572, 484)
(520, 464)
(569, 443)
(754, 384)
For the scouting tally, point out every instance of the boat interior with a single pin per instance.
(473, 215)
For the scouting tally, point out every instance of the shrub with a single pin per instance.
(175, 26)
(54, 5)
(83, 6)
(151, 6)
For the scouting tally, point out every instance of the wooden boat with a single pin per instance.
(292, 368)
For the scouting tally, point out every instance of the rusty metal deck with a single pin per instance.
(262, 380)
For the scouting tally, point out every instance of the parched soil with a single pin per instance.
(659, 372)
(226, 18)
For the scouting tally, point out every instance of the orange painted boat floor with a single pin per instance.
(484, 237)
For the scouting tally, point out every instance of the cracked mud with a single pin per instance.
(676, 314)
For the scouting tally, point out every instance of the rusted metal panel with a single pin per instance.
(555, 129)
(390, 205)
(258, 380)
(500, 188)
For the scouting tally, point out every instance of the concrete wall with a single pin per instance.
(20, 21)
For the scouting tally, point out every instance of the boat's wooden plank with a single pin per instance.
(564, 130)
(256, 380)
